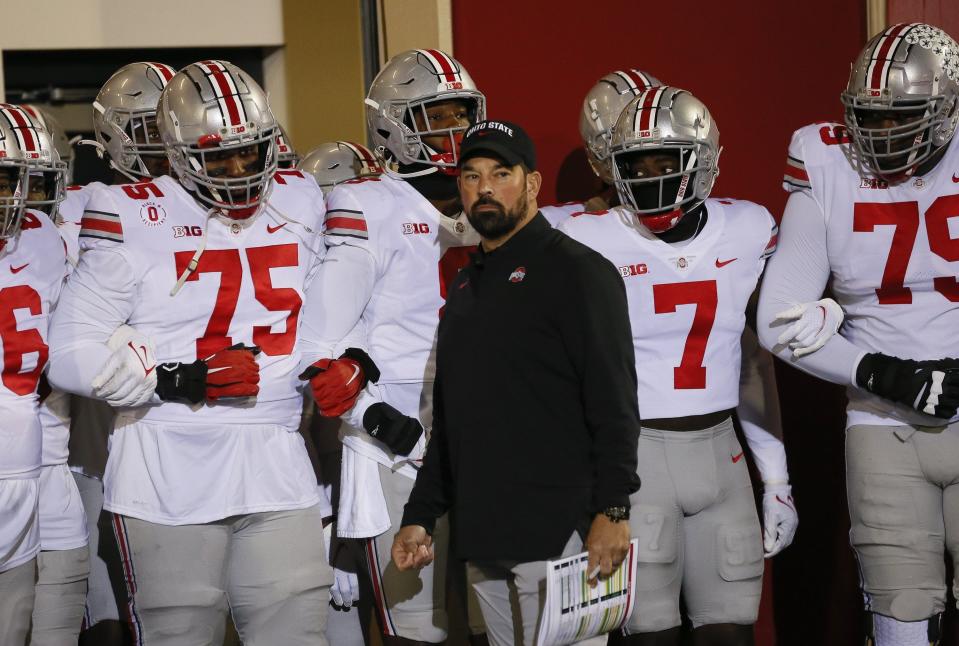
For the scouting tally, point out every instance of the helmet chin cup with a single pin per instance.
(661, 222)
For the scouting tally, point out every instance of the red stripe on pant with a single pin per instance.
(373, 561)
(129, 576)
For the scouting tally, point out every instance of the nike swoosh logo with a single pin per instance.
(737, 458)
(142, 358)
(955, 178)
(270, 229)
(17, 270)
(723, 263)
(463, 284)
(356, 371)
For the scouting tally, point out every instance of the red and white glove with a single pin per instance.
(780, 519)
(232, 372)
(128, 378)
(814, 324)
(336, 383)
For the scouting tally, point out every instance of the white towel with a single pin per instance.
(362, 512)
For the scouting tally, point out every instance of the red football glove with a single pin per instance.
(233, 372)
(336, 383)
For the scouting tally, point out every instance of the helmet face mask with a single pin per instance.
(664, 156)
(403, 93)
(901, 100)
(14, 185)
(211, 111)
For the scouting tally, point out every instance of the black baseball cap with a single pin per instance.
(504, 139)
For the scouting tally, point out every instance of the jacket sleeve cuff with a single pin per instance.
(412, 515)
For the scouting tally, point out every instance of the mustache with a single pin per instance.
(487, 200)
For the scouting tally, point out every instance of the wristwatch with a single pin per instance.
(616, 514)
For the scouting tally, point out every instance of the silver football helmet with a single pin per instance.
(910, 70)
(339, 161)
(408, 84)
(48, 173)
(124, 117)
(19, 147)
(672, 121)
(286, 156)
(211, 110)
(63, 145)
(601, 108)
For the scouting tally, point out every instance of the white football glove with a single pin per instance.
(815, 323)
(345, 590)
(129, 376)
(780, 519)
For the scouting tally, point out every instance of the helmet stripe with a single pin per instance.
(649, 108)
(21, 126)
(882, 55)
(442, 64)
(640, 80)
(225, 90)
(165, 72)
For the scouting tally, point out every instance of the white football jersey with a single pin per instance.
(893, 254)
(71, 215)
(556, 213)
(171, 462)
(417, 252)
(687, 302)
(32, 268)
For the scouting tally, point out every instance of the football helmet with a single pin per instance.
(19, 147)
(124, 115)
(408, 84)
(602, 106)
(48, 173)
(339, 161)
(286, 156)
(63, 145)
(211, 109)
(911, 70)
(665, 120)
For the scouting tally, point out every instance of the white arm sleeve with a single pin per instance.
(96, 300)
(334, 303)
(798, 273)
(759, 410)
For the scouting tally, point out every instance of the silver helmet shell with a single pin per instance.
(45, 166)
(911, 69)
(20, 146)
(405, 87)
(60, 141)
(123, 114)
(212, 107)
(666, 119)
(339, 161)
(286, 156)
(601, 108)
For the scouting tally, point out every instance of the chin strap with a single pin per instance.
(103, 154)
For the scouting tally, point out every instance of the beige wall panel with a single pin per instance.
(81, 24)
(416, 24)
(324, 72)
(875, 17)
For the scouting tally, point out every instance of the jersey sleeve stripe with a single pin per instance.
(773, 242)
(99, 224)
(351, 224)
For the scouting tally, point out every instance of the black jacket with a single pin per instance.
(535, 421)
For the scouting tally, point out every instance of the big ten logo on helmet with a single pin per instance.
(454, 85)
(410, 228)
(152, 213)
(193, 231)
(633, 270)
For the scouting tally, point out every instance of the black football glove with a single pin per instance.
(930, 387)
(392, 428)
(232, 372)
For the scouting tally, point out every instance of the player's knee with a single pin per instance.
(654, 617)
(912, 605)
(889, 631)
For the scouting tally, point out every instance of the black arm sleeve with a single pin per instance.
(431, 496)
(607, 367)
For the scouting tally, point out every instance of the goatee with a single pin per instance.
(496, 222)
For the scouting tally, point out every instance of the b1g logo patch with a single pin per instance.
(187, 231)
(637, 269)
(152, 214)
(410, 228)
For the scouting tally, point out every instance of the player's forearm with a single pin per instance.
(797, 273)
(334, 304)
(93, 304)
(758, 397)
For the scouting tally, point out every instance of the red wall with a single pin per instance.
(763, 68)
